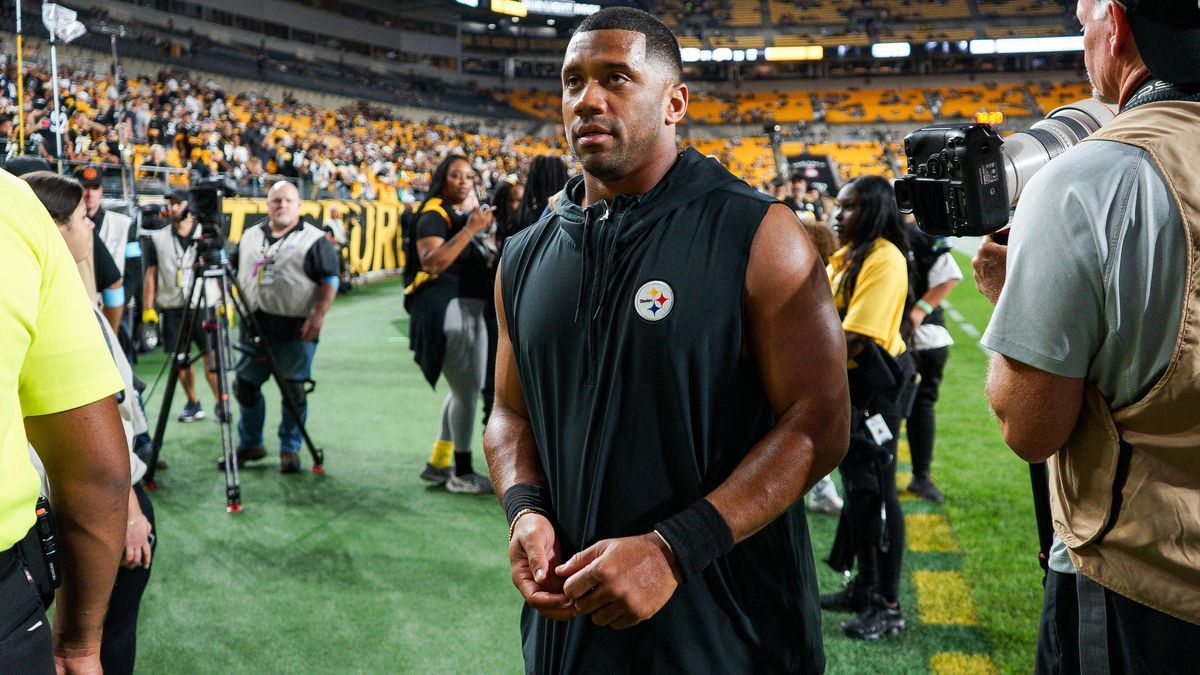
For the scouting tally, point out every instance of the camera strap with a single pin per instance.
(1156, 91)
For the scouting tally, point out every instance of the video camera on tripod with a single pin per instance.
(964, 179)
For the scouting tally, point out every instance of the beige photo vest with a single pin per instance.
(1145, 543)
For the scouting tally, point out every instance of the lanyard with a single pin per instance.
(268, 253)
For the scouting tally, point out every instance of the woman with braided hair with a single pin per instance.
(870, 281)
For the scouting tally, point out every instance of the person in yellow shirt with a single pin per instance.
(870, 283)
(57, 382)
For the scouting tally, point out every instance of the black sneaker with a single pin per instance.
(923, 487)
(222, 413)
(875, 622)
(435, 475)
(853, 598)
(191, 412)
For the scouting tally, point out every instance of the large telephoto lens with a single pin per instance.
(1025, 153)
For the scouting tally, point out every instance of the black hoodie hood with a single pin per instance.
(692, 176)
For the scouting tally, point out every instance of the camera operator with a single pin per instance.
(57, 393)
(1097, 370)
(288, 276)
(170, 259)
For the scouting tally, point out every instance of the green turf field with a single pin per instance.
(366, 570)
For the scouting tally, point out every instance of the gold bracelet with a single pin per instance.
(513, 525)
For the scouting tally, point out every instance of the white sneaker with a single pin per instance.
(830, 504)
(469, 484)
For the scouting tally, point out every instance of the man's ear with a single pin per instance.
(676, 103)
(1122, 36)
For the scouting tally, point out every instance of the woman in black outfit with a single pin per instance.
(451, 263)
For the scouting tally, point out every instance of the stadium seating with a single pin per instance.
(847, 106)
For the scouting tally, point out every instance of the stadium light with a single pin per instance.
(510, 7)
(561, 7)
(695, 54)
(469, 3)
(809, 53)
(891, 50)
(1070, 43)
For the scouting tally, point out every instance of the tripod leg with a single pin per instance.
(293, 406)
(180, 359)
(216, 327)
(161, 426)
(259, 343)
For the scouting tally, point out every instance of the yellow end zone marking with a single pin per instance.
(903, 478)
(944, 598)
(929, 532)
(954, 663)
(903, 454)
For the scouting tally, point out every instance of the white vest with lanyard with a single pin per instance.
(271, 275)
(114, 232)
(175, 267)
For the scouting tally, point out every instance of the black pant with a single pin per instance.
(877, 567)
(118, 648)
(921, 422)
(25, 641)
(1137, 639)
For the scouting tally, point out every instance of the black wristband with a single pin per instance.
(697, 536)
(522, 496)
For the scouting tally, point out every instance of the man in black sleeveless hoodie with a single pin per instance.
(670, 380)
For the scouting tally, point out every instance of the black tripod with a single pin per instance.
(212, 265)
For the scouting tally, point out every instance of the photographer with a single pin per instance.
(870, 281)
(288, 276)
(170, 259)
(1097, 370)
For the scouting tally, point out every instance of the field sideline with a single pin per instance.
(366, 570)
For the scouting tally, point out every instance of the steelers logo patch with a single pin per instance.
(654, 301)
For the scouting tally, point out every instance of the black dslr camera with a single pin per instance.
(964, 179)
(956, 183)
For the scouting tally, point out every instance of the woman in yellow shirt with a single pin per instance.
(869, 278)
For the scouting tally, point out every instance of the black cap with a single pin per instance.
(178, 196)
(88, 176)
(24, 164)
(1167, 34)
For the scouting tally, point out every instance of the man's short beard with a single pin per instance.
(604, 168)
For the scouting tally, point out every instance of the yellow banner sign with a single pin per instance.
(373, 230)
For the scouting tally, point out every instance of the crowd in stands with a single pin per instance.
(172, 127)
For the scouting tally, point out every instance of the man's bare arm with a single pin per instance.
(797, 342)
(149, 287)
(508, 441)
(87, 462)
(1036, 409)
